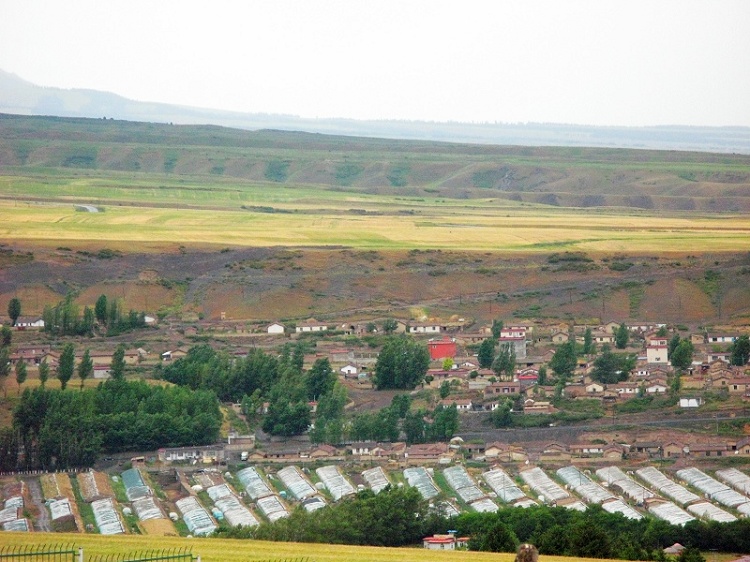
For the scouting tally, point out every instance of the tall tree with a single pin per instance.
(6, 336)
(610, 368)
(622, 336)
(588, 342)
(741, 351)
(14, 310)
(486, 353)
(672, 345)
(117, 367)
(504, 364)
(402, 363)
(497, 327)
(85, 367)
(4, 366)
(320, 379)
(43, 372)
(101, 309)
(564, 361)
(66, 366)
(682, 356)
(21, 373)
(389, 325)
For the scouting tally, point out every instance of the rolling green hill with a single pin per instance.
(556, 177)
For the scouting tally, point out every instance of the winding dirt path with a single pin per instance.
(42, 522)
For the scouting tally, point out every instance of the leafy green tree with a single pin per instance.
(400, 404)
(43, 372)
(486, 353)
(622, 336)
(662, 332)
(502, 416)
(505, 362)
(444, 423)
(85, 367)
(414, 427)
(4, 366)
(498, 538)
(66, 366)
(14, 310)
(564, 361)
(445, 389)
(542, 377)
(101, 310)
(6, 336)
(497, 327)
(390, 325)
(117, 366)
(741, 351)
(320, 379)
(21, 372)
(589, 540)
(402, 363)
(690, 554)
(588, 342)
(682, 356)
(672, 344)
(610, 368)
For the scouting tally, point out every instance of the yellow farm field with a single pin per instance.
(226, 550)
(522, 230)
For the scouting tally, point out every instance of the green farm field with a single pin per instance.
(226, 550)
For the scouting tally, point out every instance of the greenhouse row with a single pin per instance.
(419, 478)
(107, 518)
(335, 482)
(196, 518)
(376, 479)
(296, 483)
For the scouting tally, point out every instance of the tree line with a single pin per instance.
(59, 429)
(67, 319)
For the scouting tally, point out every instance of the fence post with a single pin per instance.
(198, 558)
(80, 554)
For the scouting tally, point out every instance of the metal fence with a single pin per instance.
(41, 553)
(62, 553)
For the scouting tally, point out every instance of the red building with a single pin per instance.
(442, 349)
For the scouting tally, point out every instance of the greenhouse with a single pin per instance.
(60, 508)
(313, 504)
(665, 486)
(376, 479)
(419, 478)
(235, 512)
(619, 506)
(547, 489)
(18, 525)
(107, 518)
(670, 513)
(15, 501)
(484, 506)
(337, 485)
(253, 483)
(707, 510)
(589, 490)
(616, 478)
(464, 484)
(503, 485)
(134, 486)
(296, 483)
(196, 518)
(146, 508)
(272, 508)
(731, 476)
(715, 489)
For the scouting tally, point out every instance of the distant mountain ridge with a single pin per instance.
(18, 96)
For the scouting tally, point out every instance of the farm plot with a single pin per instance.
(196, 518)
(715, 490)
(617, 479)
(11, 516)
(107, 518)
(335, 482)
(376, 479)
(296, 483)
(230, 506)
(582, 485)
(135, 487)
(418, 477)
(504, 486)
(665, 486)
(94, 486)
(58, 490)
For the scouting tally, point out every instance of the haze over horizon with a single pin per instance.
(603, 62)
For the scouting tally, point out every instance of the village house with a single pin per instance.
(656, 354)
(708, 449)
(602, 337)
(462, 404)
(442, 348)
(674, 449)
(560, 337)
(656, 388)
(533, 407)
(311, 325)
(505, 452)
(697, 339)
(209, 454)
(502, 388)
(691, 402)
(721, 338)
(275, 329)
(425, 328)
(31, 355)
(29, 323)
(426, 453)
(444, 542)
(555, 452)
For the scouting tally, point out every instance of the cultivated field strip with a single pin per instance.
(11, 515)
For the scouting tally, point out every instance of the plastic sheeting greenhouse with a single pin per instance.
(107, 518)
(253, 483)
(272, 508)
(335, 482)
(419, 478)
(296, 483)
(376, 479)
(617, 479)
(665, 486)
(196, 518)
(464, 484)
(716, 490)
(134, 486)
(547, 489)
(582, 485)
(146, 508)
(503, 485)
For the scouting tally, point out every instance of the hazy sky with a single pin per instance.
(594, 62)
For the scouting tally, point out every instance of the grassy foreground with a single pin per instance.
(229, 550)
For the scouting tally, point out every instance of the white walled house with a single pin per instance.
(275, 329)
(657, 354)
